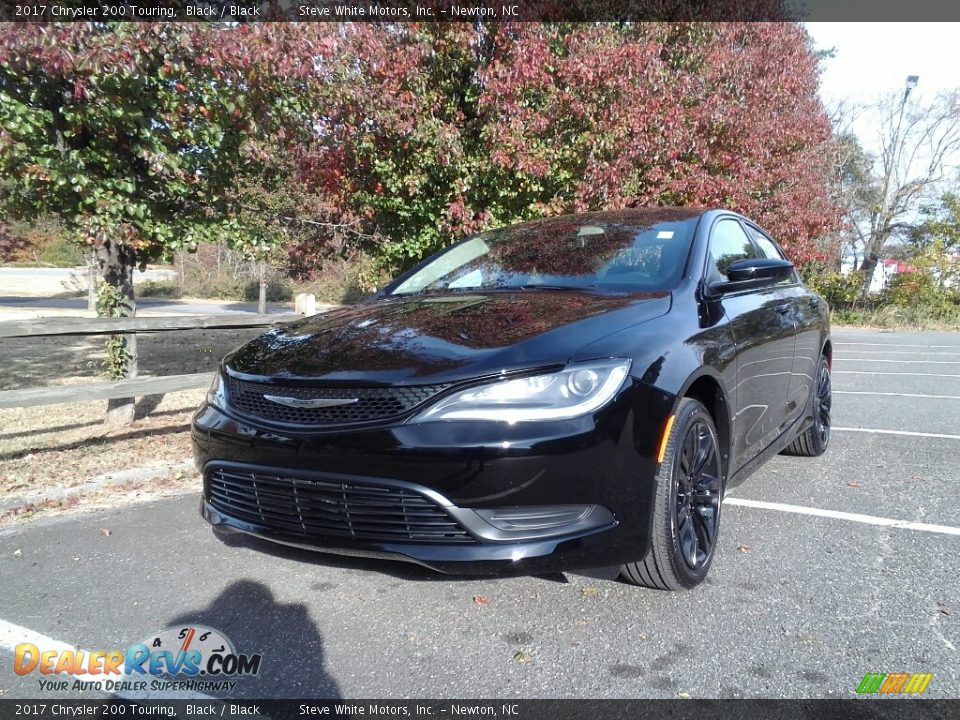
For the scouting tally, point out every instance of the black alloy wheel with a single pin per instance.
(823, 403)
(814, 440)
(686, 516)
(697, 479)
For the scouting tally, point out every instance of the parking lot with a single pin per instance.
(828, 568)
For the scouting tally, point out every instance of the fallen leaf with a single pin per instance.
(481, 600)
(589, 591)
(943, 609)
(805, 637)
(106, 531)
(854, 484)
(18, 552)
(684, 695)
(744, 548)
(522, 657)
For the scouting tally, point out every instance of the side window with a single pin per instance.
(728, 243)
(770, 250)
(766, 245)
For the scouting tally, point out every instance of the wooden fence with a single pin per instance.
(133, 387)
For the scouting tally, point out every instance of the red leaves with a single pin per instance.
(427, 131)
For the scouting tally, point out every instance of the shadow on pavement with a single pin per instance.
(283, 633)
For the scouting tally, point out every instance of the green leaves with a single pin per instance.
(135, 135)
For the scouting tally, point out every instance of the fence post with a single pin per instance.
(92, 284)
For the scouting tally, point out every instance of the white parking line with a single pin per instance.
(12, 635)
(897, 432)
(913, 395)
(955, 347)
(903, 362)
(878, 372)
(846, 353)
(838, 515)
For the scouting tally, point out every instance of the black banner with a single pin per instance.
(472, 10)
(904, 708)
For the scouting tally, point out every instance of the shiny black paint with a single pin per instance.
(430, 339)
(758, 350)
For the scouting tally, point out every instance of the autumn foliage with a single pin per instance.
(398, 138)
(434, 131)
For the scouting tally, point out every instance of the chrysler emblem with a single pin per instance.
(309, 402)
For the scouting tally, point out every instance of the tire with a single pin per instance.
(686, 515)
(816, 438)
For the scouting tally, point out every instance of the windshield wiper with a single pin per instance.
(550, 286)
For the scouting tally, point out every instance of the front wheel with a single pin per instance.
(686, 517)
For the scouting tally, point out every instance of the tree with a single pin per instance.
(935, 242)
(685, 114)
(919, 144)
(940, 222)
(852, 184)
(135, 135)
(432, 131)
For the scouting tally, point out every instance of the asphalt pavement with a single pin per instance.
(827, 569)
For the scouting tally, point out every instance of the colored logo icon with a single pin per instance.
(894, 683)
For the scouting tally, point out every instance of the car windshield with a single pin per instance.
(562, 254)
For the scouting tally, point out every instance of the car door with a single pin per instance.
(763, 330)
(805, 313)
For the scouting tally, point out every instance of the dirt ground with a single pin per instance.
(60, 458)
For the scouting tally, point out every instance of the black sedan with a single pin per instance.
(571, 392)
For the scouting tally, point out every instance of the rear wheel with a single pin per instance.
(686, 517)
(815, 439)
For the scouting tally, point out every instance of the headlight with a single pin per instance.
(576, 390)
(215, 393)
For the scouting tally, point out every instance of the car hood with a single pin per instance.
(441, 338)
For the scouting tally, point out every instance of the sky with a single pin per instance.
(873, 59)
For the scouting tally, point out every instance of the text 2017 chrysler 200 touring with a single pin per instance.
(571, 392)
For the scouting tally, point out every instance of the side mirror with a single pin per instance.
(753, 273)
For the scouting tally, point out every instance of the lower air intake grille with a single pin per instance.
(362, 404)
(314, 508)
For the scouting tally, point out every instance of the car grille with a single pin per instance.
(372, 404)
(321, 508)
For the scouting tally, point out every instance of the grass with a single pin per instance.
(49, 454)
(897, 318)
(159, 289)
(49, 448)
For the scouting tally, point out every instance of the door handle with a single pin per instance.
(783, 308)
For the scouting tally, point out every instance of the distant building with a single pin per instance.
(882, 273)
(888, 267)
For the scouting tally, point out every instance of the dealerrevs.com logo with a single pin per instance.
(179, 658)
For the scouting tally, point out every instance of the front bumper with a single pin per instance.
(603, 465)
